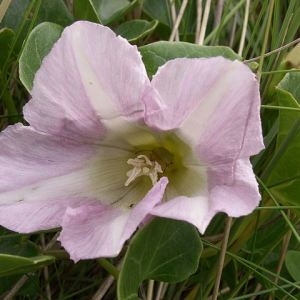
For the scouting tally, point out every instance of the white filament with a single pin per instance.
(142, 165)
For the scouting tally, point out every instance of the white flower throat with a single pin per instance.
(143, 166)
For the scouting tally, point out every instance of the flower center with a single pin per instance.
(142, 165)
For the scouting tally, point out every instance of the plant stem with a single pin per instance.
(222, 258)
(204, 22)
(178, 20)
(109, 267)
(266, 37)
(245, 23)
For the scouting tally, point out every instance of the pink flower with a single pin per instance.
(106, 147)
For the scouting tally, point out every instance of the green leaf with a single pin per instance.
(284, 168)
(54, 11)
(290, 83)
(102, 11)
(159, 10)
(37, 46)
(12, 264)
(85, 10)
(164, 250)
(158, 53)
(18, 245)
(49, 11)
(14, 14)
(6, 39)
(136, 29)
(18, 255)
(292, 263)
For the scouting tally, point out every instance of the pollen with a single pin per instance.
(143, 166)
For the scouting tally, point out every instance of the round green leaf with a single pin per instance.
(136, 29)
(37, 46)
(292, 263)
(158, 53)
(164, 250)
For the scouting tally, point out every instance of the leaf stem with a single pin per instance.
(109, 267)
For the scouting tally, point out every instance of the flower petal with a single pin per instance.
(26, 217)
(236, 199)
(100, 231)
(89, 75)
(190, 209)
(37, 167)
(28, 157)
(240, 198)
(213, 103)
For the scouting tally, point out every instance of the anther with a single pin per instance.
(142, 165)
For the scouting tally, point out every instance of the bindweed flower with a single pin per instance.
(106, 147)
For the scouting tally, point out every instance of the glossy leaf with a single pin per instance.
(164, 250)
(136, 29)
(37, 46)
(292, 263)
(158, 53)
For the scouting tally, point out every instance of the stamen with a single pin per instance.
(142, 165)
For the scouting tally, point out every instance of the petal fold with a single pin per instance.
(98, 230)
(189, 209)
(89, 75)
(27, 217)
(240, 198)
(212, 103)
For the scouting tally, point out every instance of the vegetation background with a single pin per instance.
(255, 257)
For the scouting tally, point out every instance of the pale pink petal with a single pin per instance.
(213, 104)
(100, 231)
(189, 209)
(28, 157)
(90, 76)
(26, 217)
(240, 198)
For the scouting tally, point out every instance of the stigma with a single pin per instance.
(143, 166)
